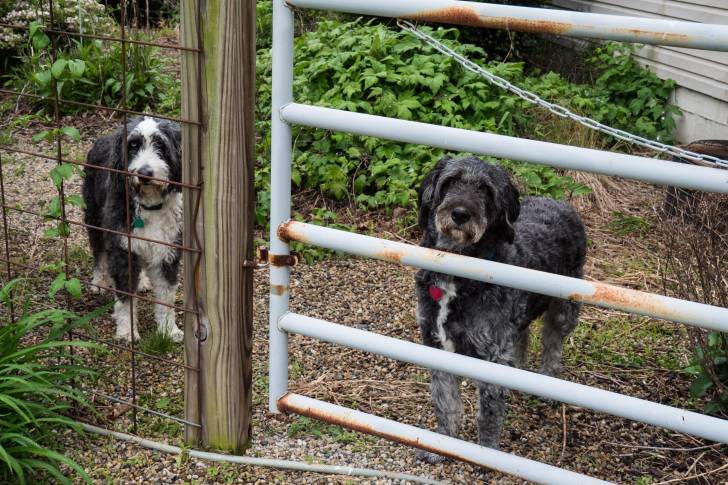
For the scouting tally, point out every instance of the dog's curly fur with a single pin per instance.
(471, 207)
(152, 148)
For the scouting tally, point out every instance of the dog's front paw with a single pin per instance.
(167, 327)
(176, 334)
(124, 335)
(430, 457)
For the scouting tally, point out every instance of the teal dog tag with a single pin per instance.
(137, 223)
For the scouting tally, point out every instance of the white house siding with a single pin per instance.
(701, 75)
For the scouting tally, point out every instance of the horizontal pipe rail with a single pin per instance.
(543, 153)
(428, 440)
(595, 293)
(521, 380)
(538, 20)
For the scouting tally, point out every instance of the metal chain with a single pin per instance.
(560, 110)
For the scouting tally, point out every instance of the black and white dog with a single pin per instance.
(153, 149)
(470, 207)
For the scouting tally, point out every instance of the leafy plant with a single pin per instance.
(633, 98)
(709, 368)
(91, 72)
(370, 68)
(59, 174)
(37, 374)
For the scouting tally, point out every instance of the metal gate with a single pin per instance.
(286, 112)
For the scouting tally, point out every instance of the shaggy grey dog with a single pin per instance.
(470, 207)
(153, 151)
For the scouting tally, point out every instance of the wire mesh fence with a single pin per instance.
(42, 210)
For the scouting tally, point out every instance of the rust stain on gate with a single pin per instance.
(628, 299)
(468, 16)
(340, 419)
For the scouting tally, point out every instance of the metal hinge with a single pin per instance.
(264, 257)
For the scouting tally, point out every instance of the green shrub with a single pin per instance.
(367, 67)
(37, 376)
(93, 19)
(91, 72)
(709, 369)
(264, 21)
(630, 97)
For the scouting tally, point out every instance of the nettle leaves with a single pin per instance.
(62, 281)
(60, 71)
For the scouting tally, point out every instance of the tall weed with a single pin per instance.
(37, 373)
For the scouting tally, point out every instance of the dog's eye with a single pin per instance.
(133, 144)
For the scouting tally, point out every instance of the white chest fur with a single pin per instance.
(164, 225)
(449, 291)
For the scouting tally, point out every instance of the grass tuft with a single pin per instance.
(157, 343)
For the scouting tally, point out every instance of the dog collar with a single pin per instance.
(152, 207)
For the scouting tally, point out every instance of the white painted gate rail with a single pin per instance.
(286, 112)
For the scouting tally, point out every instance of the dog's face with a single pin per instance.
(153, 150)
(463, 200)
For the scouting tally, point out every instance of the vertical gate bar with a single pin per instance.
(125, 157)
(280, 205)
(7, 240)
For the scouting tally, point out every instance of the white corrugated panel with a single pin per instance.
(702, 72)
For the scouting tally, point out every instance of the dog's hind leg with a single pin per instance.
(448, 409)
(491, 412)
(164, 285)
(521, 348)
(559, 321)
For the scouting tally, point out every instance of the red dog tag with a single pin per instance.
(436, 293)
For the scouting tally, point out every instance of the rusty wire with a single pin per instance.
(103, 37)
(14, 267)
(105, 288)
(102, 229)
(21, 94)
(99, 167)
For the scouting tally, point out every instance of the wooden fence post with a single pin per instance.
(218, 89)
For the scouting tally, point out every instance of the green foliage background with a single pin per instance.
(371, 68)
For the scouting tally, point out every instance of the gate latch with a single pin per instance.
(264, 257)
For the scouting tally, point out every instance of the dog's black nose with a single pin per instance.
(146, 172)
(460, 215)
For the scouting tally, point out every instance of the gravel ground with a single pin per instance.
(633, 355)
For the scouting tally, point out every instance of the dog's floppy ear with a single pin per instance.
(427, 191)
(510, 207)
(173, 150)
(173, 133)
